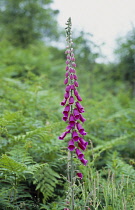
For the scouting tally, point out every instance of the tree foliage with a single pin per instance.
(23, 22)
(126, 59)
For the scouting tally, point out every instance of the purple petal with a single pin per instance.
(75, 92)
(72, 87)
(80, 128)
(75, 77)
(84, 161)
(71, 77)
(66, 110)
(67, 68)
(84, 133)
(71, 100)
(63, 102)
(80, 155)
(66, 81)
(64, 118)
(79, 97)
(82, 118)
(66, 74)
(76, 114)
(62, 136)
(79, 107)
(68, 87)
(71, 145)
(67, 62)
(72, 120)
(66, 95)
(79, 175)
(75, 136)
(76, 84)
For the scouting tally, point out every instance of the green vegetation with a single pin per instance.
(33, 161)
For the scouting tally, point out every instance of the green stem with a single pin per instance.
(72, 182)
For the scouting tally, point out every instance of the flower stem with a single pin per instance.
(72, 182)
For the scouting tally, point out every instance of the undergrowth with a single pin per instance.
(33, 161)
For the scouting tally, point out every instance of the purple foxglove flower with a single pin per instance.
(71, 100)
(71, 76)
(76, 83)
(80, 128)
(79, 97)
(66, 110)
(63, 102)
(75, 136)
(66, 81)
(67, 68)
(68, 56)
(65, 114)
(79, 107)
(66, 95)
(80, 155)
(65, 118)
(68, 87)
(69, 127)
(75, 92)
(84, 161)
(75, 77)
(62, 136)
(67, 52)
(71, 145)
(73, 71)
(83, 147)
(74, 64)
(79, 175)
(72, 58)
(76, 114)
(72, 54)
(66, 75)
(82, 118)
(72, 87)
(71, 121)
(82, 141)
(67, 62)
(70, 70)
(84, 133)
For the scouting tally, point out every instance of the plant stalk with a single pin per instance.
(72, 182)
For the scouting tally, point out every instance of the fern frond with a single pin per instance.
(45, 180)
(11, 165)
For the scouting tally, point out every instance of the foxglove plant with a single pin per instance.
(72, 113)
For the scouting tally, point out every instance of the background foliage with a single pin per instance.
(33, 161)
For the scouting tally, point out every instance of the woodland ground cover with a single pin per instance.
(32, 157)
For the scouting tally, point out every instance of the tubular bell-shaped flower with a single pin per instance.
(76, 114)
(71, 145)
(71, 121)
(80, 155)
(79, 175)
(66, 110)
(75, 136)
